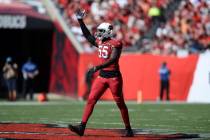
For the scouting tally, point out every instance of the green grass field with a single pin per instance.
(155, 117)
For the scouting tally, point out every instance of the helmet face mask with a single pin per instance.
(100, 33)
(104, 30)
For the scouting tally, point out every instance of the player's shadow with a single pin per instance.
(154, 135)
(138, 134)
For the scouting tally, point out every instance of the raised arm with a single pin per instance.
(80, 14)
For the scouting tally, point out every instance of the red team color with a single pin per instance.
(101, 84)
(109, 51)
(105, 50)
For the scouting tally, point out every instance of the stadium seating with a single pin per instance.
(133, 19)
(130, 18)
(188, 30)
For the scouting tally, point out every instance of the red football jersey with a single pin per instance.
(105, 51)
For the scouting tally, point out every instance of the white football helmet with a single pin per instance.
(104, 30)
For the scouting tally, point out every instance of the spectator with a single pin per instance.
(155, 13)
(29, 71)
(164, 73)
(130, 17)
(10, 75)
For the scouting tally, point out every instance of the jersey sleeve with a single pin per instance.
(117, 44)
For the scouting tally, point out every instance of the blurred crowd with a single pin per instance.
(131, 18)
(186, 32)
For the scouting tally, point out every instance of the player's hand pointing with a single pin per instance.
(80, 14)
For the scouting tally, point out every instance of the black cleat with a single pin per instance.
(129, 133)
(78, 129)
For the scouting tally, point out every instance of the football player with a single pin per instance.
(109, 51)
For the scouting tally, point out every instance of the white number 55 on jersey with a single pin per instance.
(103, 51)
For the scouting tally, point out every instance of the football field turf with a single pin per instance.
(153, 118)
